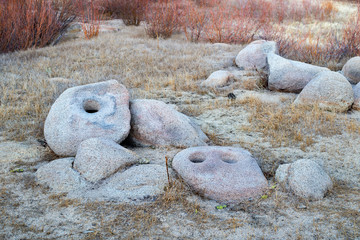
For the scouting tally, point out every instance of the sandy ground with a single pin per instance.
(31, 211)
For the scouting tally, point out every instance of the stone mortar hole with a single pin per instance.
(228, 158)
(91, 106)
(197, 158)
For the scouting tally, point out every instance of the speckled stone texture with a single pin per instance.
(330, 90)
(98, 158)
(154, 123)
(60, 176)
(83, 112)
(351, 70)
(305, 178)
(253, 56)
(218, 79)
(290, 76)
(356, 89)
(225, 174)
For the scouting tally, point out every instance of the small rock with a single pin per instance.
(218, 79)
(60, 176)
(351, 70)
(290, 76)
(356, 89)
(83, 112)
(225, 174)
(253, 56)
(98, 158)
(155, 123)
(305, 178)
(330, 90)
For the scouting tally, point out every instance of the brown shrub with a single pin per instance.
(33, 23)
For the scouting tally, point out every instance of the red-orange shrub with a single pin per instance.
(90, 18)
(33, 23)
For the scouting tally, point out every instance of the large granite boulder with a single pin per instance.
(330, 90)
(253, 56)
(60, 176)
(83, 112)
(154, 123)
(351, 70)
(290, 76)
(218, 79)
(98, 158)
(356, 89)
(305, 178)
(225, 174)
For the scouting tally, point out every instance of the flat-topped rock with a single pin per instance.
(154, 123)
(290, 76)
(83, 112)
(98, 158)
(329, 90)
(253, 56)
(225, 174)
(60, 176)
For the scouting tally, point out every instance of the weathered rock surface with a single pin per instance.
(330, 90)
(217, 79)
(225, 174)
(98, 158)
(143, 182)
(253, 56)
(155, 123)
(305, 178)
(290, 76)
(83, 112)
(356, 89)
(60, 176)
(351, 70)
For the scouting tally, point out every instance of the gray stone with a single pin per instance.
(98, 158)
(143, 182)
(218, 79)
(253, 56)
(351, 70)
(290, 76)
(330, 90)
(155, 123)
(225, 174)
(83, 112)
(356, 89)
(60, 176)
(305, 178)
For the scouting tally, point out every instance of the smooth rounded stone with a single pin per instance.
(305, 178)
(83, 112)
(60, 176)
(154, 123)
(218, 79)
(98, 158)
(142, 182)
(290, 76)
(225, 174)
(351, 70)
(356, 89)
(253, 56)
(330, 90)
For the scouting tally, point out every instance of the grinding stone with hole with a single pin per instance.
(225, 174)
(88, 111)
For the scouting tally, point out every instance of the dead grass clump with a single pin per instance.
(33, 23)
(289, 125)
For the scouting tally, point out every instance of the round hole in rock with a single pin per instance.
(197, 157)
(91, 106)
(230, 161)
(228, 158)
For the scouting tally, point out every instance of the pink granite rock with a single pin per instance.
(351, 70)
(356, 89)
(83, 112)
(225, 174)
(253, 56)
(155, 123)
(98, 158)
(219, 78)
